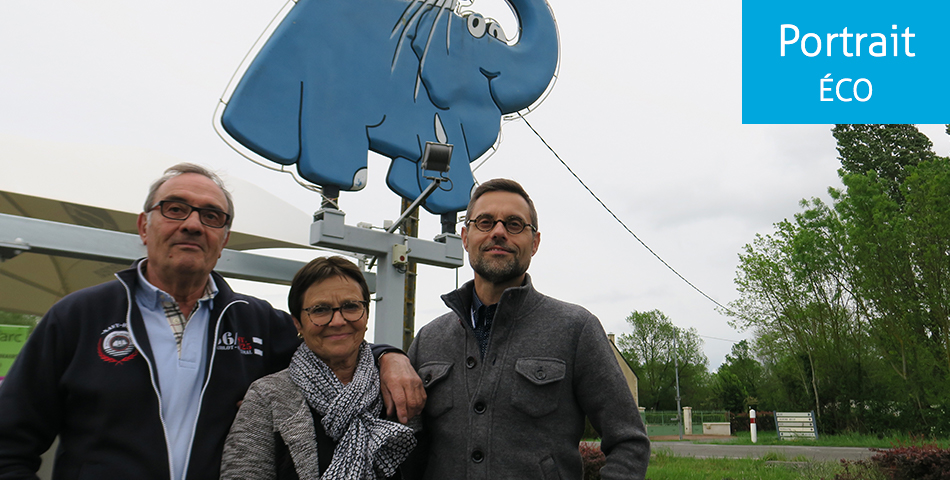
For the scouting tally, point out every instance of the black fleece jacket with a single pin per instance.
(86, 374)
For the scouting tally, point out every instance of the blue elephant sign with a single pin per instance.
(335, 78)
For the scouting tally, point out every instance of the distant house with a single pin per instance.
(626, 369)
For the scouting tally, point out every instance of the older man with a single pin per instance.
(141, 377)
(511, 373)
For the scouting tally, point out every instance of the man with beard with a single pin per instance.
(510, 373)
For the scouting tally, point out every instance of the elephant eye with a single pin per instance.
(495, 30)
(476, 25)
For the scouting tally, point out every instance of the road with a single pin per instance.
(790, 452)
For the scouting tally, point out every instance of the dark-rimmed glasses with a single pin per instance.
(175, 210)
(322, 315)
(513, 225)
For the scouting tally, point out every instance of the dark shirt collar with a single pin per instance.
(476, 302)
(476, 305)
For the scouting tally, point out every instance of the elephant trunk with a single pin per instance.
(533, 59)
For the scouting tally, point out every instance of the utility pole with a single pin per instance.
(676, 365)
(411, 229)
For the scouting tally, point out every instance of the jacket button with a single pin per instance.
(426, 381)
(470, 362)
(480, 407)
(478, 456)
(540, 375)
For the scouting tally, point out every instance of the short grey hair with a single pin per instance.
(181, 169)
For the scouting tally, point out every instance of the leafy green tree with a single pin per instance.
(927, 195)
(886, 150)
(850, 303)
(650, 348)
(796, 295)
(737, 380)
(902, 268)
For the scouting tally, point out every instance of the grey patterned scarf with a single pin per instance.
(368, 447)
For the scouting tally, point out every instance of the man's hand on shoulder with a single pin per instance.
(403, 393)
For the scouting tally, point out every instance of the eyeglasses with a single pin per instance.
(322, 315)
(175, 210)
(513, 225)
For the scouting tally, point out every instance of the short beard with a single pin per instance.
(498, 274)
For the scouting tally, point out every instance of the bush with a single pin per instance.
(927, 462)
(919, 462)
(594, 459)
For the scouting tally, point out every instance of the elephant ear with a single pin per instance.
(263, 114)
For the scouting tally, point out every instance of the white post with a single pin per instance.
(688, 420)
(752, 426)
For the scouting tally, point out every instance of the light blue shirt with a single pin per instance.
(180, 378)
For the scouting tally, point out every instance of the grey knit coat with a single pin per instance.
(519, 413)
(272, 404)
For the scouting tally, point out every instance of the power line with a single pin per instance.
(667, 265)
(717, 338)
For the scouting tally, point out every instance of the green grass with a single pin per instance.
(846, 440)
(663, 466)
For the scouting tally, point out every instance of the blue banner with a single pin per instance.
(867, 61)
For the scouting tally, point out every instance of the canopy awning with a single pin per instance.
(68, 221)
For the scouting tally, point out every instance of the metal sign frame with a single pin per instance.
(796, 425)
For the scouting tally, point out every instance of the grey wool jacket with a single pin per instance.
(519, 413)
(273, 404)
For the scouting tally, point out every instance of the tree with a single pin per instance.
(795, 293)
(650, 348)
(902, 268)
(850, 303)
(886, 150)
(737, 380)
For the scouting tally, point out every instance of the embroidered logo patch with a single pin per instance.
(115, 344)
(245, 345)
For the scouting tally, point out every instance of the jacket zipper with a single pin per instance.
(214, 349)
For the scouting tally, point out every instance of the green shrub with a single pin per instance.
(914, 462)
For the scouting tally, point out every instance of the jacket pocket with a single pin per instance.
(549, 469)
(537, 384)
(438, 385)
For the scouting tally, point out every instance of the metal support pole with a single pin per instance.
(676, 364)
(24, 235)
(393, 251)
(411, 229)
(415, 204)
(448, 222)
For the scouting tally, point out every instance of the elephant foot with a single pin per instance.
(407, 179)
(340, 175)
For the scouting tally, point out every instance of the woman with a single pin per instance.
(319, 418)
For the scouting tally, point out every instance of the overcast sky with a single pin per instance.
(646, 110)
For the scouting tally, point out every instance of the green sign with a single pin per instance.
(12, 338)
